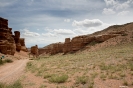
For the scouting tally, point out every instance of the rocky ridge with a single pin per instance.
(111, 36)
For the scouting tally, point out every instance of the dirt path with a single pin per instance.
(12, 71)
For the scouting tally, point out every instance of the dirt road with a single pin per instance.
(12, 71)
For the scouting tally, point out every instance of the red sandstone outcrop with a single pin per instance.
(17, 40)
(57, 48)
(34, 50)
(67, 46)
(23, 47)
(9, 43)
(102, 38)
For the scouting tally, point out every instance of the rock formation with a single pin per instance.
(118, 32)
(67, 46)
(34, 50)
(23, 47)
(17, 40)
(57, 48)
(9, 43)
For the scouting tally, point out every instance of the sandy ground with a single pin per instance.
(12, 71)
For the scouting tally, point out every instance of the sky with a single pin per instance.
(43, 22)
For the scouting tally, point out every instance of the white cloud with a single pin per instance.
(121, 6)
(123, 13)
(87, 23)
(48, 34)
(67, 20)
(27, 33)
(108, 11)
(63, 31)
(116, 6)
(110, 2)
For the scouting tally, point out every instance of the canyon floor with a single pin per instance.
(107, 67)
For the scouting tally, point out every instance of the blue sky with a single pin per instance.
(49, 21)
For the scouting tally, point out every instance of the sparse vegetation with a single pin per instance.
(5, 61)
(82, 80)
(58, 78)
(8, 61)
(107, 63)
(17, 84)
(103, 76)
(1, 62)
(125, 83)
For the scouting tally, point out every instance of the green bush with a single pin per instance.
(8, 61)
(58, 78)
(5, 61)
(82, 80)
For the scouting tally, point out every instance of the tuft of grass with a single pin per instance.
(2, 85)
(1, 62)
(43, 86)
(47, 76)
(103, 76)
(8, 61)
(122, 75)
(17, 84)
(103, 66)
(58, 78)
(31, 67)
(5, 61)
(131, 66)
(132, 83)
(82, 80)
(125, 83)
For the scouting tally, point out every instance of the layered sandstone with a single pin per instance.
(23, 47)
(67, 46)
(34, 50)
(120, 33)
(57, 48)
(9, 43)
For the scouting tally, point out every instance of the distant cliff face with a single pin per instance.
(112, 35)
(9, 43)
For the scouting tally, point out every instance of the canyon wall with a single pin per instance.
(9, 43)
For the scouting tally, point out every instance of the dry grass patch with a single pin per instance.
(107, 63)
